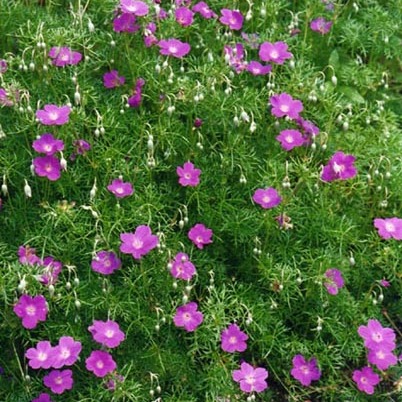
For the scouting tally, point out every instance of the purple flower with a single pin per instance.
(339, 167)
(107, 333)
(59, 381)
(304, 370)
(382, 358)
(275, 52)
(267, 198)
(309, 129)
(53, 115)
(40, 357)
(100, 363)
(334, 281)
(375, 336)
(188, 317)
(139, 243)
(256, 68)
(200, 235)
(136, 98)
(63, 56)
(182, 267)
(31, 310)
(105, 262)
(184, 16)
(321, 25)
(385, 283)
(47, 166)
(233, 339)
(203, 9)
(125, 22)
(232, 18)
(188, 175)
(47, 144)
(366, 380)
(112, 79)
(251, 379)
(3, 66)
(43, 397)
(27, 255)
(290, 139)
(81, 147)
(66, 353)
(174, 48)
(51, 270)
(120, 189)
(284, 105)
(5, 98)
(138, 8)
(234, 56)
(389, 228)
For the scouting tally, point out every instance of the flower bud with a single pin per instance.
(334, 80)
(51, 290)
(76, 281)
(91, 26)
(4, 188)
(184, 299)
(27, 190)
(77, 98)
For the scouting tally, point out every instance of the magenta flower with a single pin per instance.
(251, 379)
(334, 281)
(136, 98)
(51, 270)
(233, 339)
(31, 310)
(188, 175)
(6, 98)
(234, 56)
(389, 228)
(290, 139)
(47, 166)
(43, 397)
(138, 8)
(182, 267)
(382, 358)
(174, 48)
(308, 128)
(120, 189)
(125, 22)
(203, 9)
(139, 243)
(66, 353)
(188, 317)
(321, 25)
(284, 105)
(200, 235)
(232, 18)
(267, 198)
(81, 147)
(375, 336)
(107, 333)
(63, 56)
(100, 363)
(47, 144)
(40, 357)
(366, 380)
(304, 370)
(112, 79)
(184, 16)
(3, 66)
(275, 52)
(105, 262)
(256, 68)
(339, 167)
(59, 381)
(27, 255)
(53, 115)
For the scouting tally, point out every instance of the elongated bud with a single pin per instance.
(27, 190)
(4, 188)
(77, 98)
(63, 162)
(92, 193)
(91, 26)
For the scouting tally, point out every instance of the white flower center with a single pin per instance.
(389, 227)
(289, 139)
(284, 108)
(109, 333)
(274, 54)
(338, 168)
(173, 49)
(137, 243)
(53, 115)
(266, 198)
(30, 310)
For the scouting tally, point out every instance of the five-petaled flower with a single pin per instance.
(174, 48)
(188, 317)
(375, 335)
(107, 333)
(366, 379)
(139, 243)
(290, 139)
(66, 353)
(63, 56)
(251, 379)
(188, 175)
(31, 310)
(105, 262)
(389, 228)
(339, 167)
(59, 381)
(333, 280)
(112, 79)
(42, 356)
(53, 115)
(275, 52)
(120, 188)
(233, 339)
(138, 8)
(182, 267)
(267, 198)
(100, 363)
(200, 235)
(47, 144)
(321, 25)
(232, 18)
(47, 166)
(304, 370)
(284, 105)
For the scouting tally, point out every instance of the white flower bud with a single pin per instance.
(91, 26)
(27, 190)
(76, 281)
(263, 12)
(32, 66)
(345, 126)
(334, 80)
(152, 392)
(51, 290)
(112, 43)
(387, 175)
(236, 121)
(170, 110)
(324, 147)
(157, 68)
(165, 64)
(77, 304)
(4, 188)
(201, 97)
(299, 280)
(188, 289)
(184, 299)
(210, 57)
(228, 91)
(244, 116)
(292, 64)
(174, 285)
(181, 224)
(157, 328)
(97, 132)
(352, 261)
(380, 297)
(92, 193)
(63, 162)
(77, 98)
(313, 146)
(68, 285)
(22, 285)
(319, 328)
(253, 127)
(249, 15)
(158, 389)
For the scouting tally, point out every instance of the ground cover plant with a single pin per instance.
(200, 201)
